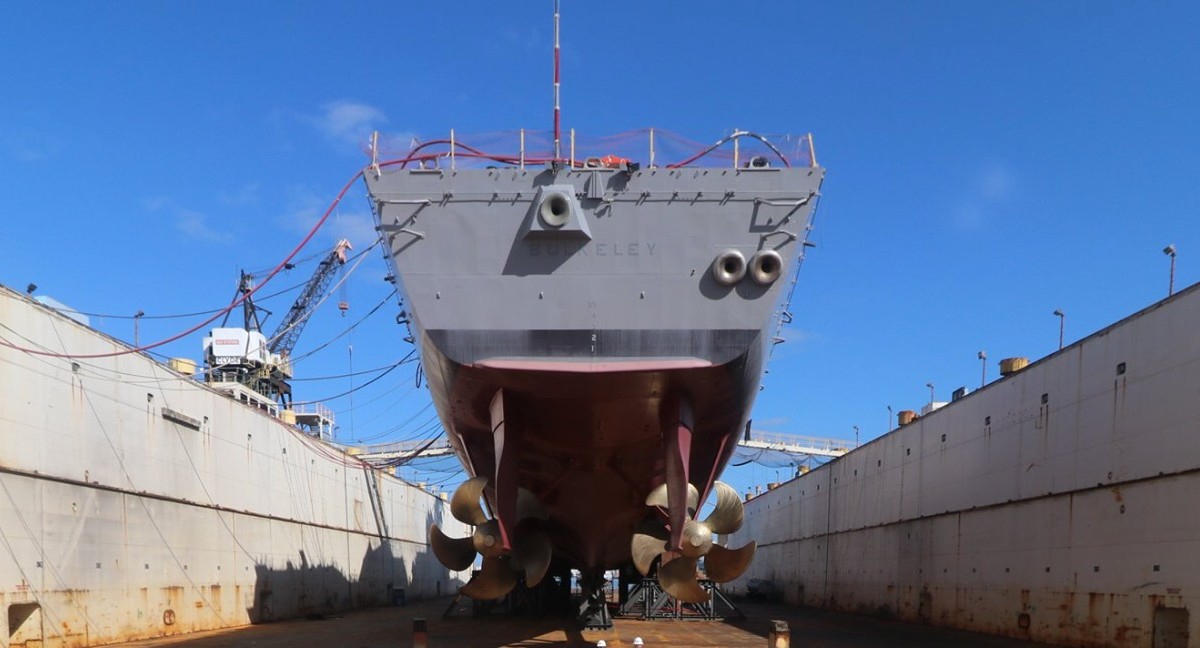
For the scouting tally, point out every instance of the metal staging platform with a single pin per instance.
(649, 601)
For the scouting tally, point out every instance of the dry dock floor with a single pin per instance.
(391, 627)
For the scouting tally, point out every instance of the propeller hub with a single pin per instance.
(487, 539)
(697, 538)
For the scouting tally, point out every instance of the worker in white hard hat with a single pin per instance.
(637, 641)
(601, 644)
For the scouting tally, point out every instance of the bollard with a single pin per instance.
(780, 636)
(420, 634)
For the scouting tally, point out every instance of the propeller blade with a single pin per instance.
(455, 553)
(678, 578)
(529, 506)
(723, 565)
(533, 551)
(728, 514)
(495, 580)
(649, 541)
(464, 505)
(486, 539)
(658, 497)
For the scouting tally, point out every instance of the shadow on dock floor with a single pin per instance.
(391, 627)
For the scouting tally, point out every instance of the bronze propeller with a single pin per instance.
(531, 550)
(677, 571)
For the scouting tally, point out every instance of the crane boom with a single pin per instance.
(289, 329)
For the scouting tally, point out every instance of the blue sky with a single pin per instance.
(988, 163)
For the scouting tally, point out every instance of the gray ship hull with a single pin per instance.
(567, 357)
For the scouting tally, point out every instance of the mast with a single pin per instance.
(557, 124)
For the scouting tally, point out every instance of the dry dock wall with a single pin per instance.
(137, 503)
(1058, 504)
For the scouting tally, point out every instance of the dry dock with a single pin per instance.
(392, 628)
(1055, 504)
(1052, 505)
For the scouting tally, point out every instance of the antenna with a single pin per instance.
(557, 125)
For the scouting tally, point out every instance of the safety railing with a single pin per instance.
(649, 147)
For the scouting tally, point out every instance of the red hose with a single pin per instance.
(237, 302)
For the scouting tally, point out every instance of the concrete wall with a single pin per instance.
(1055, 504)
(117, 522)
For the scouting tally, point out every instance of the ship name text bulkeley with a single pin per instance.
(600, 249)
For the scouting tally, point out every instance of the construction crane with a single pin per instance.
(283, 340)
(244, 356)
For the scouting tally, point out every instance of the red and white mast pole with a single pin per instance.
(557, 124)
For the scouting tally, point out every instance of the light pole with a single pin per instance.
(136, 316)
(930, 386)
(982, 369)
(1062, 323)
(855, 436)
(890, 418)
(1170, 251)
